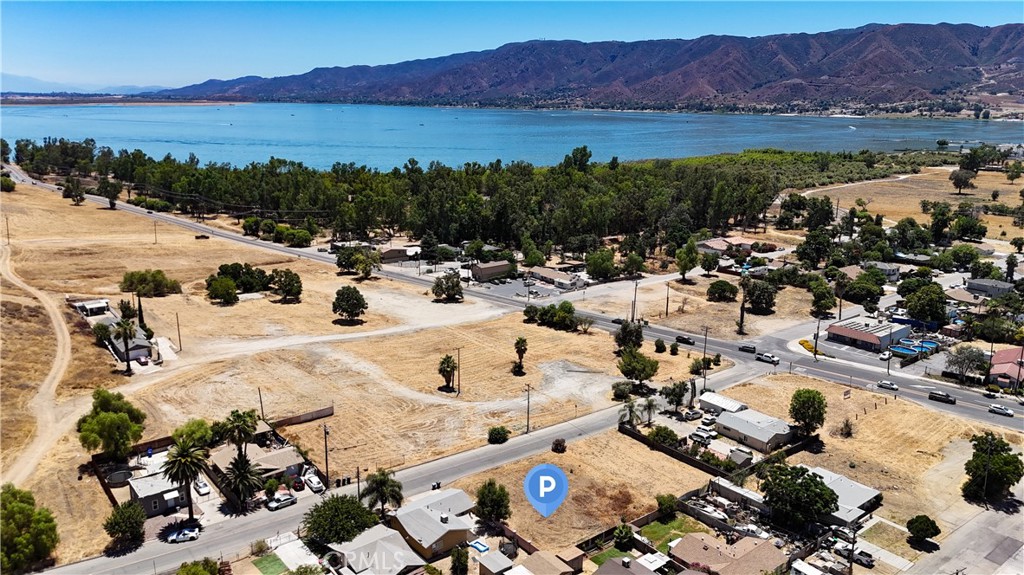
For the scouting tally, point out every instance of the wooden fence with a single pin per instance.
(520, 542)
(672, 452)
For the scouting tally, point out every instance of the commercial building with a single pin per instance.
(873, 335)
(754, 429)
(491, 270)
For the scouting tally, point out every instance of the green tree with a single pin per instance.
(761, 297)
(807, 408)
(993, 469)
(492, 503)
(349, 303)
(633, 264)
(6, 184)
(659, 346)
(709, 262)
(460, 561)
(721, 290)
(195, 430)
(1018, 243)
(223, 289)
(650, 407)
(298, 238)
(663, 435)
(448, 287)
(109, 190)
(623, 536)
(964, 255)
(28, 534)
(675, 394)
(922, 527)
(239, 429)
(365, 263)
(498, 435)
(1014, 171)
(601, 265)
(1011, 267)
(126, 525)
(287, 283)
(796, 496)
(446, 368)
(205, 566)
(630, 335)
(337, 519)
(962, 179)
(667, 504)
(520, 347)
(629, 413)
(112, 425)
(345, 259)
(186, 460)
(927, 304)
(101, 333)
(428, 247)
(964, 359)
(243, 478)
(824, 298)
(687, 257)
(636, 366)
(382, 489)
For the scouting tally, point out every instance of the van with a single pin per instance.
(748, 348)
(700, 438)
(707, 431)
(942, 396)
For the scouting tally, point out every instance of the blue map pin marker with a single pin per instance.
(546, 487)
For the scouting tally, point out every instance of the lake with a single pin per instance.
(386, 136)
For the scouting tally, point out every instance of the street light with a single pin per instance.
(704, 356)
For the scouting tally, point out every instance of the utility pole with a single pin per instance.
(636, 284)
(704, 355)
(179, 329)
(262, 414)
(817, 331)
(327, 463)
(359, 494)
(666, 299)
(458, 370)
(888, 361)
(528, 388)
(154, 232)
(7, 220)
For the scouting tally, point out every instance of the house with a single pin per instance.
(1007, 367)
(912, 259)
(754, 429)
(338, 246)
(432, 525)
(392, 255)
(138, 346)
(623, 566)
(853, 272)
(273, 463)
(746, 556)
(156, 494)
(376, 551)
(491, 270)
(717, 403)
(891, 271)
(855, 499)
(716, 246)
(573, 557)
(872, 335)
(494, 563)
(92, 307)
(546, 563)
(966, 301)
(989, 287)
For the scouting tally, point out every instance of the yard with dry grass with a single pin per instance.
(24, 330)
(610, 476)
(912, 454)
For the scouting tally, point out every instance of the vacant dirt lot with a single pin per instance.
(689, 307)
(895, 448)
(902, 198)
(24, 330)
(610, 476)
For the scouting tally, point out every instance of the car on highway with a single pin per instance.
(941, 396)
(182, 535)
(684, 339)
(767, 357)
(691, 415)
(886, 384)
(281, 500)
(202, 487)
(748, 348)
(314, 483)
(618, 321)
(1000, 410)
(885, 356)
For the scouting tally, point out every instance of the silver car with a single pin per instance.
(187, 534)
(886, 384)
(1000, 410)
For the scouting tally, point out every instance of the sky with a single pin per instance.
(180, 43)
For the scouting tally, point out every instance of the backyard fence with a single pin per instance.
(518, 539)
(672, 452)
(304, 417)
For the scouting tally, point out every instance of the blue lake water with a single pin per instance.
(385, 136)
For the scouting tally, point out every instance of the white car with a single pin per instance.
(314, 483)
(202, 487)
(753, 531)
(187, 534)
(886, 384)
(1000, 410)
(885, 356)
(707, 431)
(767, 357)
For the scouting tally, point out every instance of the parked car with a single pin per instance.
(941, 396)
(767, 357)
(886, 384)
(700, 438)
(844, 533)
(748, 348)
(202, 487)
(618, 321)
(298, 484)
(707, 431)
(691, 415)
(1000, 410)
(753, 531)
(684, 339)
(281, 500)
(321, 249)
(709, 420)
(182, 535)
(860, 556)
(713, 512)
(314, 483)
(885, 356)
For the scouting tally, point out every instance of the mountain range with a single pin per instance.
(13, 83)
(873, 64)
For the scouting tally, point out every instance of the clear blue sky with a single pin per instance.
(179, 43)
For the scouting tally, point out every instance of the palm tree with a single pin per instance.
(447, 369)
(242, 478)
(629, 414)
(383, 488)
(125, 330)
(521, 348)
(240, 428)
(650, 407)
(185, 461)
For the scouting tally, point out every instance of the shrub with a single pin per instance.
(717, 360)
(674, 349)
(498, 435)
(846, 429)
(101, 332)
(259, 548)
(621, 390)
(666, 503)
(659, 346)
(721, 290)
(922, 527)
(696, 366)
(558, 445)
(271, 487)
(663, 435)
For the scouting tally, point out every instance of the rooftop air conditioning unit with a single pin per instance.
(444, 518)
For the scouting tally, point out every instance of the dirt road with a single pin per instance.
(43, 405)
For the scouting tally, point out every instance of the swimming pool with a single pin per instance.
(931, 345)
(907, 342)
(921, 348)
(900, 350)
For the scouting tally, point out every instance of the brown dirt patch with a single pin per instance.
(25, 329)
(893, 446)
(92, 367)
(610, 476)
(902, 198)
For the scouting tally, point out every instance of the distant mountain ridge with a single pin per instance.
(873, 64)
(13, 83)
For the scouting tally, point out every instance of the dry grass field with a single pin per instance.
(901, 198)
(610, 476)
(24, 330)
(895, 448)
